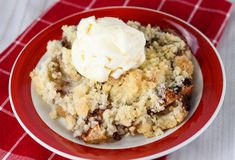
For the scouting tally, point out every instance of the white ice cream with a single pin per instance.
(106, 47)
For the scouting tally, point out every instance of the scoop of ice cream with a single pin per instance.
(106, 47)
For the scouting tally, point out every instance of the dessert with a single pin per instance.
(109, 45)
(108, 80)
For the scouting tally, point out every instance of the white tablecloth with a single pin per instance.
(216, 143)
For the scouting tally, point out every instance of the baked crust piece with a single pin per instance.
(95, 136)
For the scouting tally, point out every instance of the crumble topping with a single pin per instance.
(147, 100)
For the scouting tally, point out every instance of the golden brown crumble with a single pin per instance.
(147, 100)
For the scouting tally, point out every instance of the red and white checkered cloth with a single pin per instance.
(209, 16)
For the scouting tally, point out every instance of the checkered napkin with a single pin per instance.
(209, 16)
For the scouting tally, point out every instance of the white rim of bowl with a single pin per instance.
(157, 155)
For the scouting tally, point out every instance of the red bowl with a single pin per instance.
(209, 105)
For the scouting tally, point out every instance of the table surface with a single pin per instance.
(217, 142)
